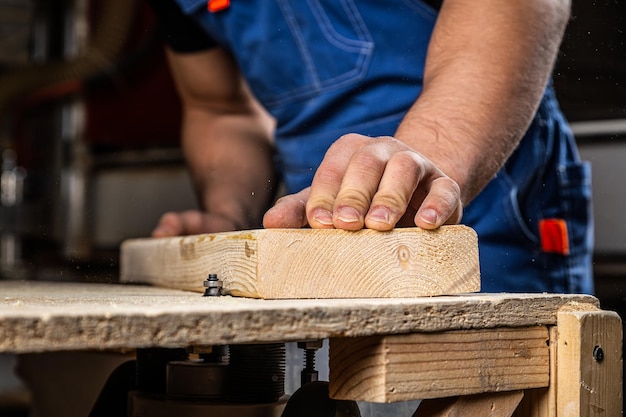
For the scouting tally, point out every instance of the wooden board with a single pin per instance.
(588, 384)
(541, 402)
(38, 316)
(435, 365)
(501, 404)
(305, 263)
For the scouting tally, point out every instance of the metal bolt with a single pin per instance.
(309, 373)
(598, 354)
(213, 286)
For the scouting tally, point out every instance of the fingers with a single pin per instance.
(411, 182)
(358, 187)
(288, 212)
(169, 225)
(403, 173)
(320, 208)
(442, 205)
(377, 183)
(191, 222)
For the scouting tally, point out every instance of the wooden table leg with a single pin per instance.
(589, 364)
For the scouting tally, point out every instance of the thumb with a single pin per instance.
(288, 212)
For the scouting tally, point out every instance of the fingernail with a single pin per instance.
(323, 217)
(428, 215)
(379, 214)
(348, 215)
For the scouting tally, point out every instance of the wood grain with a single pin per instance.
(501, 404)
(541, 402)
(305, 263)
(40, 316)
(434, 365)
(588, 386)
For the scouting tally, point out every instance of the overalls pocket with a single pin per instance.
(569, 266)
(333, 52)
(558, 210)
(534, 220)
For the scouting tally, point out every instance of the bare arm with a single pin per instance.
(487, 66)
(227, 144)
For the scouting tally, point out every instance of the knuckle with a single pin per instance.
(349, 137)
(396, 202)
(368, 157)
(449, 186)
(408, 162)
(327, 175)
(448, 193)
(349, 140)
(353, 197)
(319, 201)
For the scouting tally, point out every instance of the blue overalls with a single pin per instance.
(324, 68)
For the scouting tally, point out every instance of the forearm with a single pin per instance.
(230, 159)
(487, 66)
(226, 140)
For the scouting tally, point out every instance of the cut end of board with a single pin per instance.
(311, 263)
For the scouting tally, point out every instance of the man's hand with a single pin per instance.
(378, 183)
(192, 222)
(487, 67)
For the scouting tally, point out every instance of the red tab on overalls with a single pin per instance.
(554, 237)
(218, 5)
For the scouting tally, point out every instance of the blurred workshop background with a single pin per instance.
(89, 140)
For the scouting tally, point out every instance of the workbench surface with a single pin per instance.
(46, 316)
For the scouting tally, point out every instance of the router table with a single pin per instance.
(538, 355)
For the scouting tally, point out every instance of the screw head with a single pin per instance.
(598, 354)
(213, 286)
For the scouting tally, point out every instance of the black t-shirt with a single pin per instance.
(183, 34)
(179, 31)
